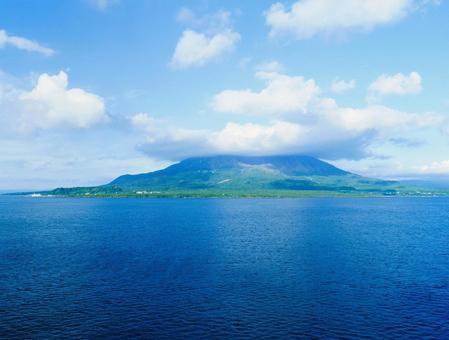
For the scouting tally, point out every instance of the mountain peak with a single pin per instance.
(297, 165)
(200, 169)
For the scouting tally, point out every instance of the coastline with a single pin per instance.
(235, 195)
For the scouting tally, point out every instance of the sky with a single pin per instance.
(93, 89)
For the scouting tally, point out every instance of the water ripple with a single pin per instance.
(313, 268)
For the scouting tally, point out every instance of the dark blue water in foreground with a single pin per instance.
(88, 268)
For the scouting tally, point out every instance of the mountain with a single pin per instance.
(236, 176)
(202, 172)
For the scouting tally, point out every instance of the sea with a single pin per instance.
(90, 268)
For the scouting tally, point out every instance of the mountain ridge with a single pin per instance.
(244, 176)
(294, 165)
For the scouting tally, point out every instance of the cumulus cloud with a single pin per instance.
(196, 49)
(50, 104)
(307, 18)
(234, 138)
(397, 84)
(212, 37)
(23, 44)
(282, 93)
(333, 133)
(276, 137)
(341, 86)
(256, 139)
(300, 120)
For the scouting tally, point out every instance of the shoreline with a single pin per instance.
(184, 195)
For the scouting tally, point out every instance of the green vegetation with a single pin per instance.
(238, 194)
(235, 176)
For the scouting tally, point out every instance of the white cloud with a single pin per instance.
(143, 120)
(441, 167)
(282, 93)
(397, 169)
(290, 97)
(374, 167)
(211, 37)
(175, 143)
(23, 44)
(257, 139)
(52, 104)
(335, 132)
(380, 118)
(300, 121)
(196, 49)
(44, 159)
(340, 86)
(397, 84)
(54, 159)
(270, 66)
(307, 18)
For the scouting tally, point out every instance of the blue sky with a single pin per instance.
(92, 89)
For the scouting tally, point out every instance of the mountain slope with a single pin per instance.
(207, 172)
(291, 175)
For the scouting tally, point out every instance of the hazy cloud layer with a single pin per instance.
(307, 18)
(23, 44)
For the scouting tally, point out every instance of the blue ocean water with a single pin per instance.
(201, 268)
